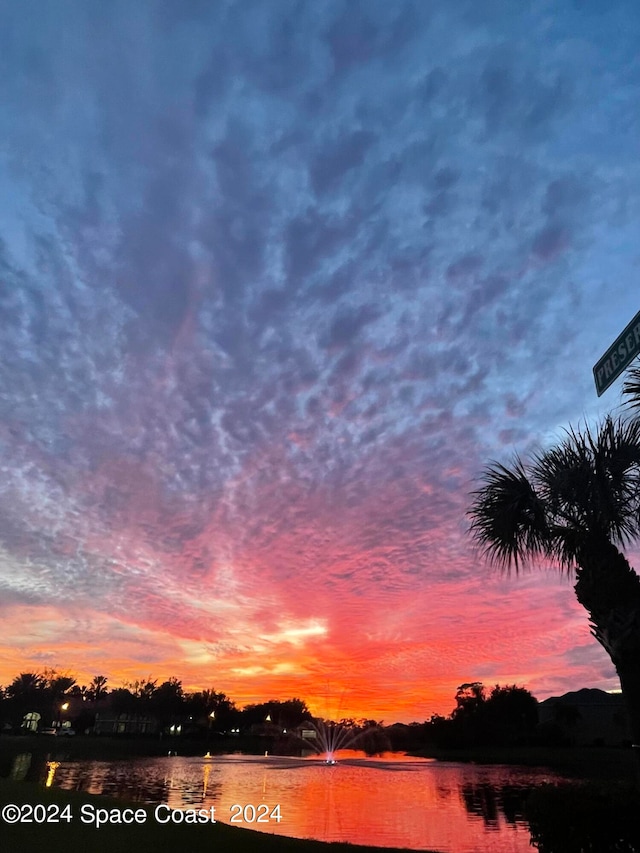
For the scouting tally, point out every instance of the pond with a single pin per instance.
(391, 800)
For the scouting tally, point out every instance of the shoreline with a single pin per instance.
(587, 762)
(602, 763)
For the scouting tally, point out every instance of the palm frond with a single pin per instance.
(508, 519)
(631, 387)
(577, 497)
(616, 455)
(590, 482)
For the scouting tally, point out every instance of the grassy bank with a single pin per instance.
(604, 763)
(148, 837)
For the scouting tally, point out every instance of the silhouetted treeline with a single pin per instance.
(33, 701)
(507, 716)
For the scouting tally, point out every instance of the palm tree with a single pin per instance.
(26, 688)
(27, 693)
(577, 504)
(26, 685)
(631, 387)
(98, 688)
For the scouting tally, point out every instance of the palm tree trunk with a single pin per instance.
(609, 589)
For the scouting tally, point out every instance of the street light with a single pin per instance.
(63, 707)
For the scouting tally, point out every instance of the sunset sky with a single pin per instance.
(277, 280)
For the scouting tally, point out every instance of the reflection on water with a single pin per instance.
(493, 804)
(20, 767)
(52, 766)
(392, 800)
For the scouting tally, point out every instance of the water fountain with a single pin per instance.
(327, 738)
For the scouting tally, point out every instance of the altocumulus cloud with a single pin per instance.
(276, 280)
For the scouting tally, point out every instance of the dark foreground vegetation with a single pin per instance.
(577, 817)
(585, 818)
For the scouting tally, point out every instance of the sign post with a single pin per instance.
(619, 355)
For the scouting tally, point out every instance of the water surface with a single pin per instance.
(388, 801)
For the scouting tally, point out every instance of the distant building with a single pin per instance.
(31, 722)
(125, 724)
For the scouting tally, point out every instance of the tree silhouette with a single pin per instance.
(203, 703)
(512, 714)
(59, 685)
(80, 691)
(567, 716)
(123, 701)
(143, 690)
(27, 692)
(26, 684)
(469, 700)
(98, 688)
(577, 504)
(167, 702)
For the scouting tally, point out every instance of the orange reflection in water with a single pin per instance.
(388, 801)
(398, 803)
(52, 766)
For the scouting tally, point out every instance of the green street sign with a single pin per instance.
(619, 355)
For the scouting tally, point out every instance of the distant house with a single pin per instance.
(588, 717)
(31, 722)
(125, 724)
